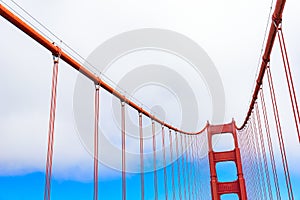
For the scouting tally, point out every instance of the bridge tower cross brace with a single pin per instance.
(219, 188)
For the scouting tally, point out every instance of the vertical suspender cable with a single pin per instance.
(270, 145)
(198, 172)
(173, 163)
(256, 159)
(154, 160)
(248, 153)
(51, 131)
(164, 160)
(261, 177)
(178, 166)
(183, 166)
(96, 142)
(289, 80)
(187, 166)
(123, 152)
(245, 157)
(246, 165)
(194, 167)
(280, 136)
(252, 164)
(262, 144)
(142, 156)
(197, 169)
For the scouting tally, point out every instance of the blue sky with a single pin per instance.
(31, 186)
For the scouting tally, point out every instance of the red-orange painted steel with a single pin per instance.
(178, 166)
(290, 82)
(51, 132)
(172, 166)
(276, 20)
(219, 188)
(96, 144)
(270, 143)
(280, 136)
(16, 21)
(142, 156)
(154, 161)
(164, 162)
(123, 151)
(183, 167)
(262, 144)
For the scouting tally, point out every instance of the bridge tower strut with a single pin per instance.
(219, 188)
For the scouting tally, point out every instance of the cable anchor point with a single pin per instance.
(56, 55)
(97, 86)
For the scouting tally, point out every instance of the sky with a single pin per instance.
(230, 32)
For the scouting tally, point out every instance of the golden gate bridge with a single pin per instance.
(253, 153)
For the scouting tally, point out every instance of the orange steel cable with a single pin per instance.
(262, 144)
(172, 166)
(178, 165)
(194, 168)
(123, 152)
(246, 169)
(154, 161)
(250, 149)
(183, 167)
(270, 144)
(197, 167)
(55, 50)
(289, 80)
(250, 168)
(96, 137)
(258, 157)
(164, 162)
(187, 166)
(51, 131)
(142, 156)
(280, 136)
(276, 20)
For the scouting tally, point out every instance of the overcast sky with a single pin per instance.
(231, 33)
